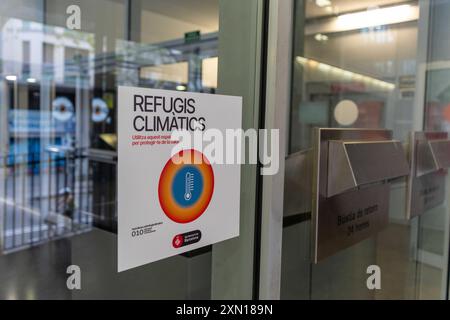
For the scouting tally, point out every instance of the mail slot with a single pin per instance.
(355, 163)
(429, 154)
(352, 173)
(432, 155)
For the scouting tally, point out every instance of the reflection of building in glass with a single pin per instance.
(31, 50)
(59, 135)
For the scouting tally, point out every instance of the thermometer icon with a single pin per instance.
(189, 186)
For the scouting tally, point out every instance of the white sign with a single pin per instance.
(168, 207)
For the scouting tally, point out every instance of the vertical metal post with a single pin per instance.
(33, 168)
(15, 165)
(57, 196)
(276, 111)
(3, 215)
(4, 152)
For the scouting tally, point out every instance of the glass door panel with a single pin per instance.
(58, 137)
(364, 64)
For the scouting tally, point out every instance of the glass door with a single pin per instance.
(61, 64)
(379, 67)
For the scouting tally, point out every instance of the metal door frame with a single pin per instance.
(255, 54)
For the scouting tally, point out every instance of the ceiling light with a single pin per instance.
(181, 88)
(321, 37)
(323, 3)
(376, 17)
(344, 73)
(31, 80)
(11, 77)
(364, 19)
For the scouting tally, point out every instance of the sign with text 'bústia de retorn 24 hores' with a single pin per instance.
(169, 207)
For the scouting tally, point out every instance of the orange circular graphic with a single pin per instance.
(186, 187)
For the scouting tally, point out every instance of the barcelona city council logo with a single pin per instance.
(185, 189)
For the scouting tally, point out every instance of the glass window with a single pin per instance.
(58, 138)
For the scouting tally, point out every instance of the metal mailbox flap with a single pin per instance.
(352, 169)
(441, 153)
(429, 154)
(355, 163)
(432, 155)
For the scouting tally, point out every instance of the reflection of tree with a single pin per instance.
(80, 37)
